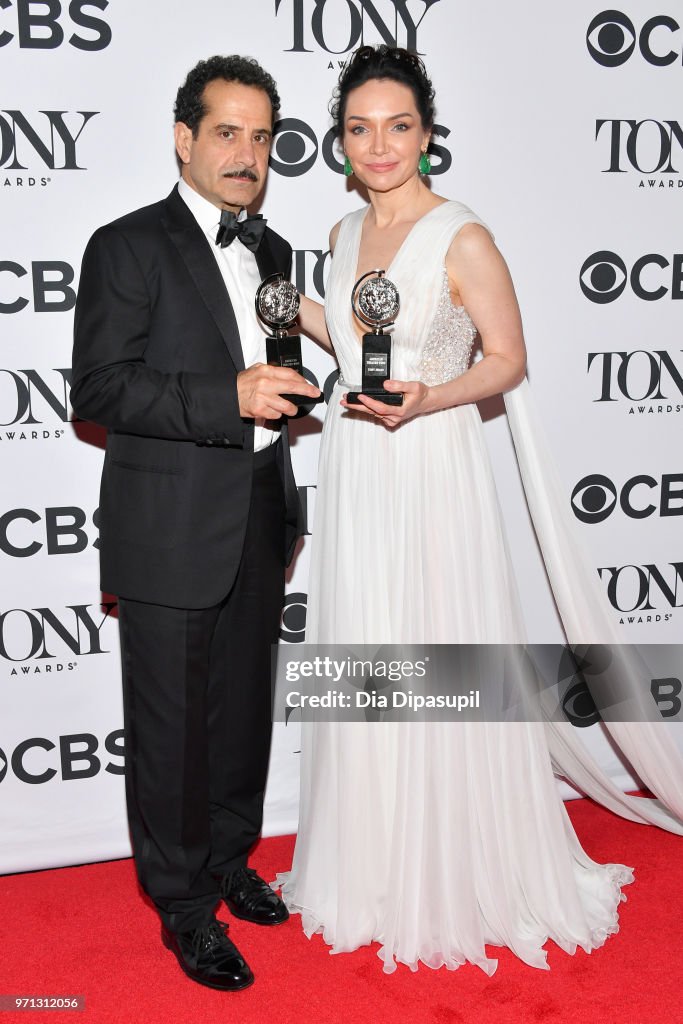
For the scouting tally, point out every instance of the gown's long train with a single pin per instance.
(436, 838)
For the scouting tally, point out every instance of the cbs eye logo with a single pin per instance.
(611, 39)
(579, 707)
(603, 277)
(594, 498)
(578, 665)
(293, 625)
(577, 700)
(295, 148)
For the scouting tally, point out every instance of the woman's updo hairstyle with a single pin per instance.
(386, 62)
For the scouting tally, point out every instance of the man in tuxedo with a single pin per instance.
(199, 509)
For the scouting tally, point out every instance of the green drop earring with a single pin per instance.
(425, 164)
(348, 169)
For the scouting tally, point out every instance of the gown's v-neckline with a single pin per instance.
(394, 258)
(403, 243)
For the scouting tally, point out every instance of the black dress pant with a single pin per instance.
(197, 715)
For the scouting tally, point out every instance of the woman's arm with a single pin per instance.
(312, 313)
(480, 279)
(312, 322)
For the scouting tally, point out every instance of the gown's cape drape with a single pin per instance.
(647, 745)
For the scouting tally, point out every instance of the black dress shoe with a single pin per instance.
(208, 956)
(252, 899)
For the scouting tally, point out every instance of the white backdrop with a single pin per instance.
(556, 123)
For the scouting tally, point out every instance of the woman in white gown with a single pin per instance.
(432, 839)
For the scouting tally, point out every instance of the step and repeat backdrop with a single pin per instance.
(560, 124)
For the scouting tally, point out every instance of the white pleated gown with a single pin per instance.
(431, 839)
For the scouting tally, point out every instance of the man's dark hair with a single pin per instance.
(383, 62)
(189, 106)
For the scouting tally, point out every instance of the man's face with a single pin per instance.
(228, 161)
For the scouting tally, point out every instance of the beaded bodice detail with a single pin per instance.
(448, 347)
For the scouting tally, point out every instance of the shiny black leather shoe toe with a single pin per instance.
(209, 957)
(248, 897)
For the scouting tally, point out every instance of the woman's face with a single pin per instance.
(383, 134)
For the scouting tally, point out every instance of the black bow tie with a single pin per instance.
(249, 231)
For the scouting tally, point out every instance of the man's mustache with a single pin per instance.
(245, 173)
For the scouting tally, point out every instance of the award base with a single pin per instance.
(376, 362)
(302, 400)
(286, 351)
(379, 395)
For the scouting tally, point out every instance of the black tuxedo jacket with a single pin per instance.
(156, 357)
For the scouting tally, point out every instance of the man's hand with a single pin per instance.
(260, 389)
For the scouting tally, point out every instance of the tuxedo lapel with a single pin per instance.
(265, 260)
(193, 247)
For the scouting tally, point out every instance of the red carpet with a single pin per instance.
(86, 931)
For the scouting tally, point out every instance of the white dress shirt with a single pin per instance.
(240, 273)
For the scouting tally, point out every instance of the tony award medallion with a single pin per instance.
(277, 306)
(375, 302)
